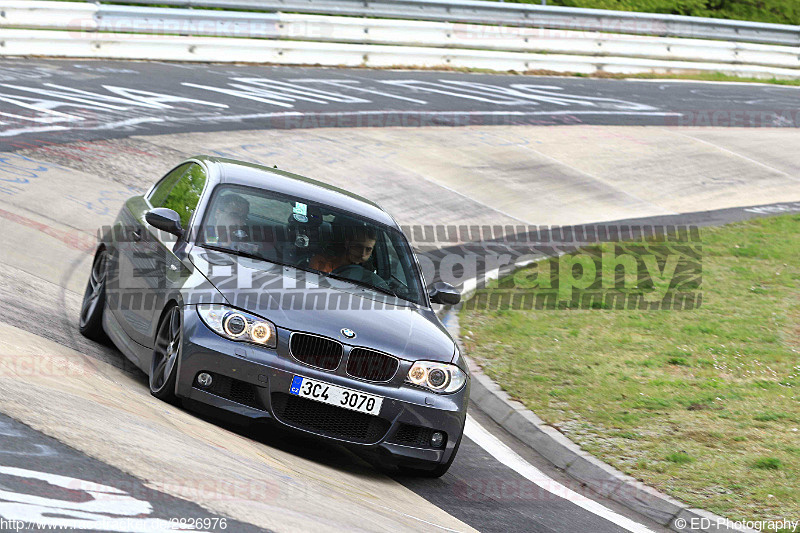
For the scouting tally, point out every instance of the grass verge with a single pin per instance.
(704, 76)
(696, 76)
(701, 404)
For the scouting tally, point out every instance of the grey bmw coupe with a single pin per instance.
(274, 296)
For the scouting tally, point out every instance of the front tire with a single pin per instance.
(163, 365)
(90, 323)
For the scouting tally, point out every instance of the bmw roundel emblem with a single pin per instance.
(349, 333)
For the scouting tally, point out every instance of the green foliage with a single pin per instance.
(777, 11)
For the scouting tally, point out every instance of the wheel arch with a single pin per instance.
(101, 248)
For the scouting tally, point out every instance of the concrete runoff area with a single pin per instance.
(471, 175)
(500, 174)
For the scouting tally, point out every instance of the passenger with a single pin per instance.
(358, 246)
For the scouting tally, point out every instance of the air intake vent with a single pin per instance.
(370, 365)
(328, 419)
(233, 389)
(416, 436)
(316, 351)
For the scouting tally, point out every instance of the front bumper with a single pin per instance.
(254, 382)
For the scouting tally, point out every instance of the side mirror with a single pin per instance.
(165, 220)
(444, 293)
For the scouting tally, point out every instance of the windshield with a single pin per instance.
(295, 232)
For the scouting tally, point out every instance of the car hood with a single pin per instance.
(303, 301)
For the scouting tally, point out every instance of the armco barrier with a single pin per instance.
(214, 49)
(512, 14)
(482, 37)
(135, 32)
(49, 15)
(435, 34)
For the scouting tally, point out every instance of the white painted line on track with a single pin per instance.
(348, 84)
(106, 508)
(626, 113)
(480, 113)
(40, 129)
(278, 114)
(221, 118)
(494, 447)
(129, 122)
(340, 114)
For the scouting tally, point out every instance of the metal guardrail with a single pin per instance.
(528, 15)
(320, 28)
(136, 32)
(74, 44)
(112, 18)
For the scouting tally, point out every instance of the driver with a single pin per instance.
(232, 210)
(230, 220)
(358, 246)
(230, 228)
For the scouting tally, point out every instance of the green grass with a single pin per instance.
(681, 458)
(767, 463)
(709, 76)
(701, 404)
(699, 76)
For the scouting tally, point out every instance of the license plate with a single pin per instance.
(338, 396)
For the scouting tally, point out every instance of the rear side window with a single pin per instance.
(180, 191)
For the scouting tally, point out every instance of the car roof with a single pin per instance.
(231, 171)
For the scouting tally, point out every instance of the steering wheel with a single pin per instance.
(359, 273)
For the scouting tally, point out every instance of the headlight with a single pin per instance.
(237, 325)
(438, 377)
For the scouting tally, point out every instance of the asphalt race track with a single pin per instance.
(83, 442)
(138, 506)
(63, 101)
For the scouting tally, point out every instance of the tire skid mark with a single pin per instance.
(75, 240)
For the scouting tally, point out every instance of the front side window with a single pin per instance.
(167, 183)
(180, 191)
(314, 237)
